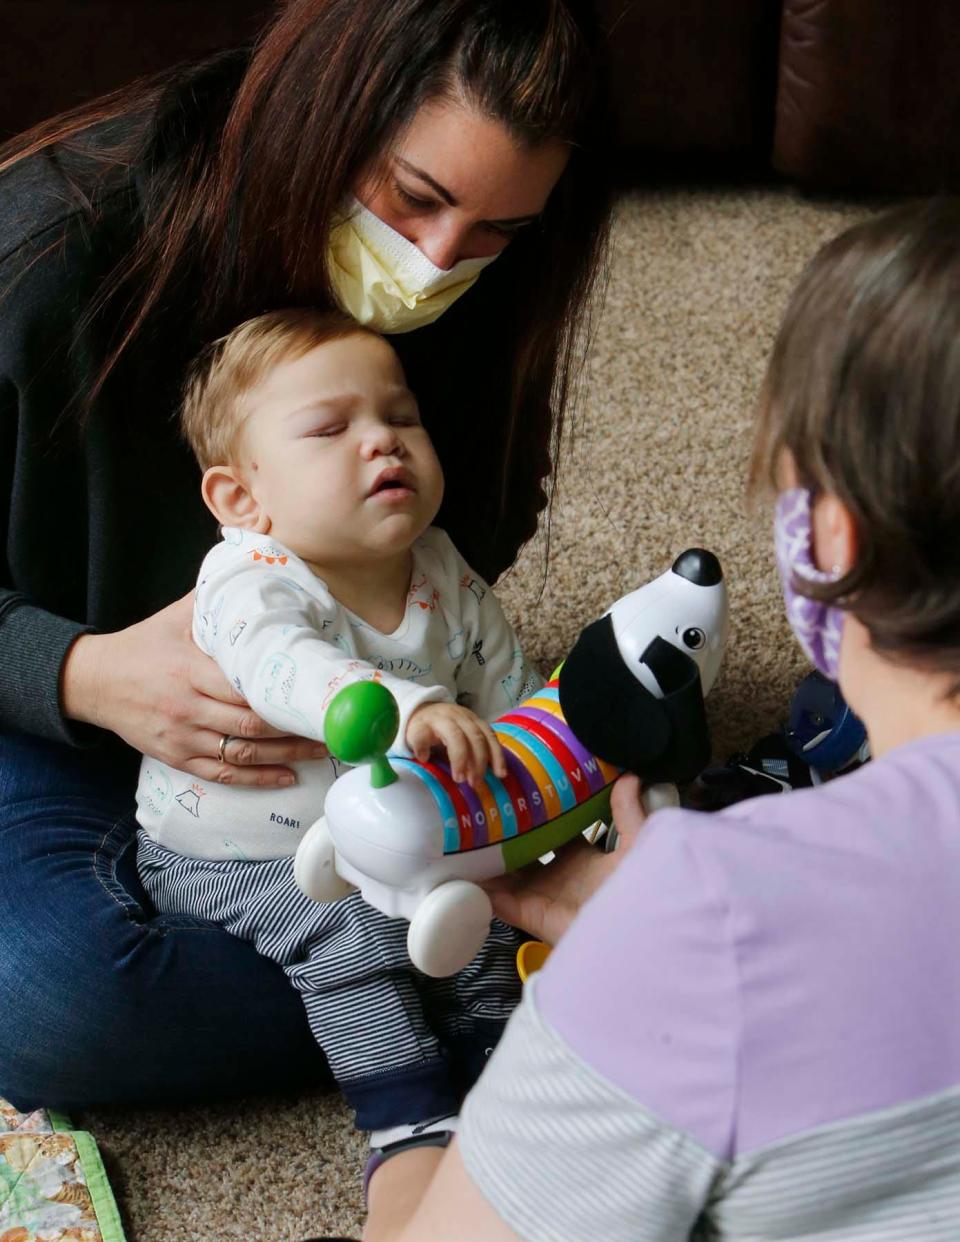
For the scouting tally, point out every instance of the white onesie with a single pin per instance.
(288, 646)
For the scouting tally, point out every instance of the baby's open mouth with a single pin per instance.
(395, 479)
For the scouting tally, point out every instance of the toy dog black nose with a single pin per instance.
(699, 566)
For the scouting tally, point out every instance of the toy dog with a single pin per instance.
(628, 697)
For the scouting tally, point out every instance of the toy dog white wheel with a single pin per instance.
(314, 867)
(449, 928)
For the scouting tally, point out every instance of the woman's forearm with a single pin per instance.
(432, 1200)
(396, 1190)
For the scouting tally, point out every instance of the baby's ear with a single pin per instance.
(227, 495)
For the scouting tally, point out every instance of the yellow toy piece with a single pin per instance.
(530, 957)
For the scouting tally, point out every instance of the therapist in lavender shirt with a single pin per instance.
(753, 1030)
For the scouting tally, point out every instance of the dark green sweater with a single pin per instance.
(104, 526)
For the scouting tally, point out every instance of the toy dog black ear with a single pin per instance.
(618, 719)
(679, 678)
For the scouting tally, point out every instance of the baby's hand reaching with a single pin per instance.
(470, 743)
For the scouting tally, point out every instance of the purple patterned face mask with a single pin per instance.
(817, 626)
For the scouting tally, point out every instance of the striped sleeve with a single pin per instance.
(563, 1154)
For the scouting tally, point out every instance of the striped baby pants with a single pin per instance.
(403, 1047)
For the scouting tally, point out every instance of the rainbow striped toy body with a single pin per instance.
(416, 843)
(554, 788)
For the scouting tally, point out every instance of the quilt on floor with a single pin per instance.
(53, 1187)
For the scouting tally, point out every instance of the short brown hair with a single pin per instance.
(863, 390)
(212, 413)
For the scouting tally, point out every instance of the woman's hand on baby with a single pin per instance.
(470, 743)
(544, 900)
(153, 686)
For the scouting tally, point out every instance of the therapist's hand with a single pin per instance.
(544, 901)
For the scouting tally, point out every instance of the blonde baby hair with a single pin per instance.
(212, 412)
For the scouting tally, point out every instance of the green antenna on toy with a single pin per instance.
(361, 723)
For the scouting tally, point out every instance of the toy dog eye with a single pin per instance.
(693, 638)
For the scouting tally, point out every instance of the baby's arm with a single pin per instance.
(277, 636)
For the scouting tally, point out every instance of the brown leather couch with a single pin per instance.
(869, 94)
(831, 93)
(834, 94)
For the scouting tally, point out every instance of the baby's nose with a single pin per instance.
(382, 438)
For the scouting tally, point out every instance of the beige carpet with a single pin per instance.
(657, 464)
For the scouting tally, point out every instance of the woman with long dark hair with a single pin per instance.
(134, 230)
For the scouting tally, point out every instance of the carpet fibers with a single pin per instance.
(655, 463)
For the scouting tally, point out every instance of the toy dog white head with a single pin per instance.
(670, 635)
(686, 606)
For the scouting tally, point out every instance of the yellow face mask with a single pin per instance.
(385, 282)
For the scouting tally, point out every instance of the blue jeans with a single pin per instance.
(101, 1000)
